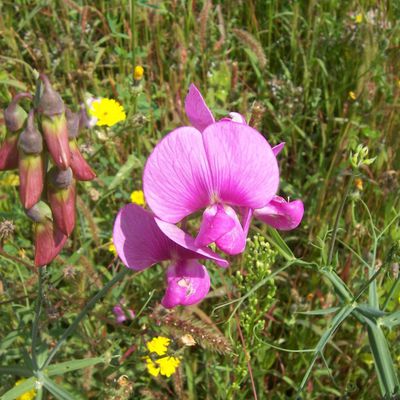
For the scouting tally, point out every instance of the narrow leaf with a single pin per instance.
(56, 390)
(68, 366)
(19, 390)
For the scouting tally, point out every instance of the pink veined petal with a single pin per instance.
(176, 179)
(234, 241)
(196, 109)
(281, 214)
(243, 167)
(138, 240)
(247, 214)
(214, 224)
(185, 241)
(278, 148)
(188, 283)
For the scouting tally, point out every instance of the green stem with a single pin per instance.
(82, 314)
(38, 308)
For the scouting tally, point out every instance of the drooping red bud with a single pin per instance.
(14, 117)
(54, 124)
(61, 195)
(49, 240)
(31, 167)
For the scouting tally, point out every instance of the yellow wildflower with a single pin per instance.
(358, 19)
(168, 365)
(359, 183)
(29, 395)
(158, 345)
(352, 95)
(11, 180)
(138, 73)
(137, 197)
(165, 366)
(112, 249)
(107, 111)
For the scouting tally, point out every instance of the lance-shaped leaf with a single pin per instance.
(49, 239)
(78, 164)
(61, 195)
(15, 117)
(54, 124)
(31, 168)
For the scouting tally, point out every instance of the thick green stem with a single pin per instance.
(38, 308)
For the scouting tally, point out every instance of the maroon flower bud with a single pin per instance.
(15, 117)
(54, 124)
(49, 240)
(79, 166)
(31, 168)
(61, 195)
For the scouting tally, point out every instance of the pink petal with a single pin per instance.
(281, 214)
(234, 241)
(142, 240)
(246, 219)
(278, 148)
(243, 167)
(185, 241)
(188, 283)
(138, 240)
(196, 109)
(176, 179)
(214, 224)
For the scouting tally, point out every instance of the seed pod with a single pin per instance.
(61, 194)
(15, 117)
(54, 124)
(31, 167)
(49, 240)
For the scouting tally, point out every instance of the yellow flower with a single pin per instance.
(137, 197)
(31, 394)
(352, 95)
(358, 19)
(165, 366)
(11, 180)
(158, 345)
(107, 111)
(112, 249)
(138, 73)
(168, 365)
(359, 183)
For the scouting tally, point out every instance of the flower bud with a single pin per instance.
(54, 124)
(61, 195)
(31, 168)
(79, 166)
(49, 240)
(15, 117)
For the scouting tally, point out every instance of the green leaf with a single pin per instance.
(19, 390)
(16, 370)
(280, 244)
(369, 311)
(131, 163)
(68, 366)
(391, 320)
(56, 390)
(325, 311)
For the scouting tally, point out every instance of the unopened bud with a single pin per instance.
(40, 212)
(14, 114)
(30, 140)
(50, 102)
(61, 195)
(78, 164)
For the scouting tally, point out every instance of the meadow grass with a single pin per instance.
(322, 77)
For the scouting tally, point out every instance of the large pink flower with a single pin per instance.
(227, 167)
(279, 213)
(142, 240)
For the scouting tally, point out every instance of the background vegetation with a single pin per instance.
(322, 76)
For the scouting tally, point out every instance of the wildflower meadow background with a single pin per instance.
(88, 90)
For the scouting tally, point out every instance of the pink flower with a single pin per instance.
(142, 240)
(121, 313)
(279, 213)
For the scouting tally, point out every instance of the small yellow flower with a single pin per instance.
(137, 197)
(31, 394)
(112, 249)
(398, 82)
(358, 19)
(11, 180)
(107, 111)
(359, 183)
(352, 95)
(152, 368)
(168, 365)
(158, 345)
(138, 73)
